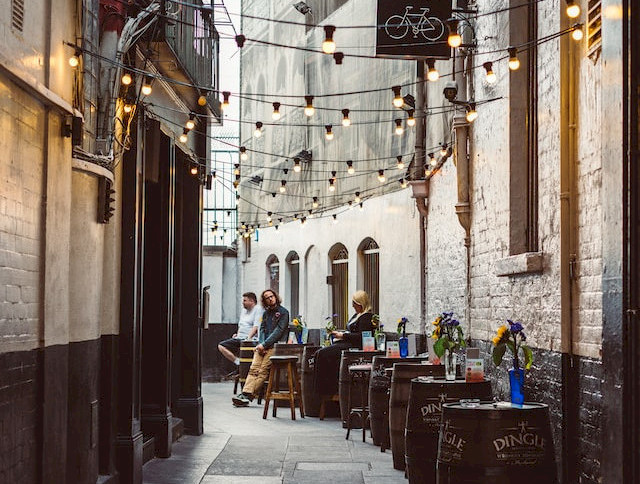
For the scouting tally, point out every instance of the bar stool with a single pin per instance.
(287, 363)
(327, 398)
(359, 376)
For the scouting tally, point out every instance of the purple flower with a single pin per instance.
(515, 327)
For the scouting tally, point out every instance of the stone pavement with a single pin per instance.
(239, 447)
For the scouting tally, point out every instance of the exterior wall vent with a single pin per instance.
(17, 15)
(594, 29)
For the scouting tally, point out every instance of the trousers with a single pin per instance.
(258, 372)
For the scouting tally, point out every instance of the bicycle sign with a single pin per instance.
(413, 28)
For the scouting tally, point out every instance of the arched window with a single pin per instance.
(339, 280)
(273, 273)
(293, 298)
(369, 254)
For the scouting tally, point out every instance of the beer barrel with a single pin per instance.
(496, 443)
(403, 373)
(424, 410)
(284, 349)
(246, 357)
(379, 385)
(310, 398)
(351, 357)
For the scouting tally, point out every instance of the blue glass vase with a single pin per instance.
(299, 337)
(516, 381)
(403, 343)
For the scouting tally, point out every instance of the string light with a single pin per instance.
(335, 218)
(490, 77)
(472, 114)
(346, 121)
(381, 177)
(455, 39)
(398, 101)
(403, 183)
(361, 205)
(357, 198)
(573, 9)
(310, 214)
(514, 62)
(329, 134)
(194, 170)
(309, 109)
(225, 100)
(338, 56)
(126, 79)
(427, 172)
(399, 129)
(258, 131)
(283, 186)
(432, 159)
(443, 149)
(296, 165)
(244, 156)
(269, 219)
(432, 73)
(128, 108)
(236, 169)
(202, 101)
(183, 136)
(350, 169)
(74, 60)
(303, 220)
(577, 34)
(240, 40)
(329, 45)
(146, 86)
(213, 175)
(276, 111)
(191, 122)
(400, 164)
(332, 185)
(411, 120)
(314, 204)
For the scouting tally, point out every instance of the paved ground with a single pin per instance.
(239, 447)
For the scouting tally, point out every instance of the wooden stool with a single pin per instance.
(359, 375)
(327, 398)
(287, 363)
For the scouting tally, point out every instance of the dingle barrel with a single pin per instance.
(403, 373)
(423, 421)
(310, 398)
(496, 444)
(351, 357)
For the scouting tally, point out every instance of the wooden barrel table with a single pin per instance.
(351, 357)
(285, 349)
(401, 378)
(379, 385)
(496, 443)
(310, 398)
(424, 410)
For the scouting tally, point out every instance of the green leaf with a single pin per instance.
(511, 346)
(438, 347)
(528, 356)
(498, 353)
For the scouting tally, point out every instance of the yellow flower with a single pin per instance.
(436, 322)
(496, 340)
(501, 331)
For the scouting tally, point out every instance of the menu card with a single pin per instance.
(393, 349)
(368, 341)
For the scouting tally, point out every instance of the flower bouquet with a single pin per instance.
(299, 325)
(378, 334)
(449, 338)
(403, 341)
(513, 337)
(329, 327)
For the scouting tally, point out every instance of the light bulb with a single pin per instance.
(269, 217)
(361, 205)
(357, 198)
(74, 60)
(276, 112)
(236, 169)
(346, 121)
(296, 165)
(283, 187)
(577, 34)
(403, 183)
(328, 45)
(146, 87)
(399, 129)
(128, 108)
(432, 73)
(381, 177)
(350, 169)
(258, 131)
(400, 164)
(411, 121)
(332, 186)
(329, 134)
(244, 156)
(514, 62)
(309, 109)
(573, 9)
(335, 218)
(184, 137)
(443, 149)
(454, 39)
(398, 101)
(126, 79)
(225, 100)
(314, 204)
(191, 122)
(490, 76)
(194, 170)
(202, 101)
(432, 160)
(472, 114)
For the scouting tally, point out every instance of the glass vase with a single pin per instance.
(450, 362)
(516, 382)
(299, 337)
(381, 341)
(403, 344)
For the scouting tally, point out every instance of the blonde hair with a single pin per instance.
(361, 298)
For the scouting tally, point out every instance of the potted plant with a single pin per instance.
(513, 337)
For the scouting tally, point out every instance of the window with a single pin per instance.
(293, 296)
(339, 280)
(523, 126)
(594, 29)
(273, 273)
(369, 254)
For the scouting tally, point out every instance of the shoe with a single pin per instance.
(241, 400)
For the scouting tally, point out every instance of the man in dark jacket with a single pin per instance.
(274, 325)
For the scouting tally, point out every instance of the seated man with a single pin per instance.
(274, 325)
(247, 328)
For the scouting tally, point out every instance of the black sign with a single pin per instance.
(413, 29)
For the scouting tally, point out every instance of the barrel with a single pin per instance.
(496, 443)
(246, 357)
(401, 378)
(379, 385)
(423, 421)
(310, 398)
(284, 349)
(351, 357)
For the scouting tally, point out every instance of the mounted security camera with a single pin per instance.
(450, 90)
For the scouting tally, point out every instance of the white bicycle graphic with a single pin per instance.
(431, 28)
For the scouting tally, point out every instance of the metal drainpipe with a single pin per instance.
(421, 202)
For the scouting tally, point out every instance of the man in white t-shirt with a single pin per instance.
(247, 328)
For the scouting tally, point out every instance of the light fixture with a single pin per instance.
(454, 39)
(213, 175)
(236, 169)
(399, 129)
(314, 204)
(403, 183)
(258, 131)
(225, 100)
(183, 136)
(202, 100)
(128, 107)
(309, 109)
(126, 78)
(357, 198)
(361, 205)
(335, 218)
(332, 185)
(329, 45)
(303, 220)
(276, 112)
(191, 122)
(296, 165)
(432, 73)
(74, 60)
(244, 156)
(350, 169)
(240, 40)
(310, 214)
(397, 96)
(146, 86)
(427, 172)
(411, 120)
(432, 159)
(381, 177)
(490, 77)
(269, 216)
(573, 9)
(338, 56)
(400, 164)
(329, 134)
(577, 34)
(283, 186)
(194, 170)
(346, 121)
(443, 149)
(472, 114)
(514, 62)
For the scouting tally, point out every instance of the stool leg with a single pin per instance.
(349, 409)
(322, 409)
(292, 401)
(235, 384)
(298, 391)
(267, 396)
(277, 383)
